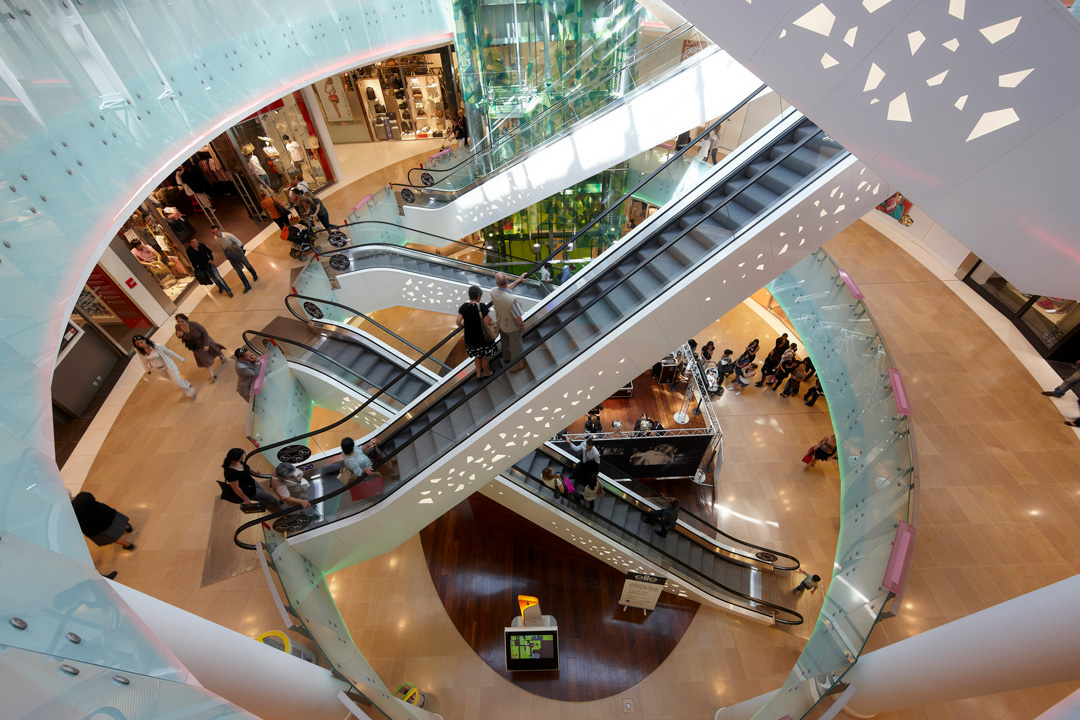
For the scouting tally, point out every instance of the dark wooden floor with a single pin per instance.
(482, 556)
(659, 401)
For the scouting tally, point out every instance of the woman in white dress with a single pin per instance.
(158, 359)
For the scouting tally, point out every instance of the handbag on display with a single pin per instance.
(379, 108)
(371, 93)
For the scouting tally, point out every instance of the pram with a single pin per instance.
(300, 235)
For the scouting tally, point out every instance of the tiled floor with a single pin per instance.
(1000, 498)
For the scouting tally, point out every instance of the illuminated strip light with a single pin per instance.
(747, 518)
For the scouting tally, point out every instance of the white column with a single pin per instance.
(327, 144)
(1025, 642)
(262, 680)
(746, 709)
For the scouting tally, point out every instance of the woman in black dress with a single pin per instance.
(473, 316)
(241, 479)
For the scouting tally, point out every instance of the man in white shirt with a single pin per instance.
(587, 451)
(237, 256)
(508, 318)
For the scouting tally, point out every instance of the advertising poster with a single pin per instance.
(653, 456)
(332, 96)
(641, 590)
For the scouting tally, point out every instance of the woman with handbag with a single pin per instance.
(199, 342)
(824, 450)
(241, 479)
(479, 332)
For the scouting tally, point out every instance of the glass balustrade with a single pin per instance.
(878, 471)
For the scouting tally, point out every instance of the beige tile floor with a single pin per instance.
(1000, 478)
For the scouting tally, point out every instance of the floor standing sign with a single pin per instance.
(641, 591)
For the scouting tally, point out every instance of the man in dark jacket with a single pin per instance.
(202, 259)
(667, 516)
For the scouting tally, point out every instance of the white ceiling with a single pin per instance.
(969, 108)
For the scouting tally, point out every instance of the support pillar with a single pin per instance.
(1024, 642)
(325, 141)
(262, 680)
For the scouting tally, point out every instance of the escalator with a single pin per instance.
(358, 360)
(444, 444)
(421, 267)
(695, 551)
(440, 181)
(659, 95)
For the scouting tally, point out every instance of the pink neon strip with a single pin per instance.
(903, 406)
(439, 154)
(896, 572)
(257, 383)
(851, 285)
(360, 204)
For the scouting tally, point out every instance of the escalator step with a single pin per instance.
(803, 161)
(778, 180)
(757, 198)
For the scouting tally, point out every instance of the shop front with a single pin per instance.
(1049, 323)
(413, 97)
(279, 145)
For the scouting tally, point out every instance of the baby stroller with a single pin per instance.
(300, 235)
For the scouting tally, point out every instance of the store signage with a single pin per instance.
(130, 282)
(693, 47)
(641, 590)
(115, 300)
(276, 105)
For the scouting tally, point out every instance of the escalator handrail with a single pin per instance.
(308, 348)
(357, 223)
(620, 476)
(616, 475)
(451, 194)
(377, 324)
(778, 609)
(573, 298)
(639, 55)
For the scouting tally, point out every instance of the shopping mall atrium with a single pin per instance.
(518, 359)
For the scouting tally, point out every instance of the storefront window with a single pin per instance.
(407, 98)
(105, 304)
(157, 251)
(281, 147)
(1049, 323)
(985, 277)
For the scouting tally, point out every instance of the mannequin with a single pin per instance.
(255, 166)
(269, 148)
(293, 148)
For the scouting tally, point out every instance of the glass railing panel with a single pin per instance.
(314, 282)
(55, 595)
(308, 594)
(96, 693)
(877, 468)
(550, 114)
(375, 415)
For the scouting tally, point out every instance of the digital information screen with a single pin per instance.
(532, 649)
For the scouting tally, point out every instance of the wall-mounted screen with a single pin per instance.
(532, 649)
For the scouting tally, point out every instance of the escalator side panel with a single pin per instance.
(724, 280)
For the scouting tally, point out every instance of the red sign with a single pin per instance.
(276, 105)
(115, 299)
(130, 282)
(692, 47)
